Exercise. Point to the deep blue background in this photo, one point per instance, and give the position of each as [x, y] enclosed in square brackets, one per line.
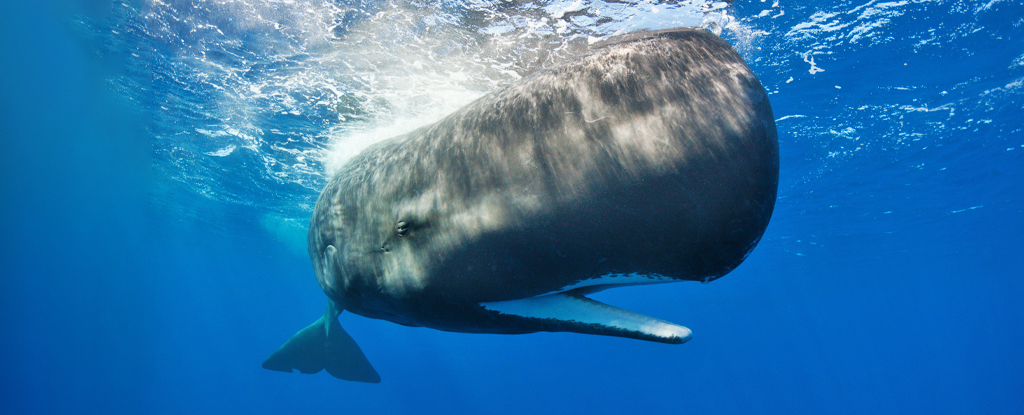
[877, 289]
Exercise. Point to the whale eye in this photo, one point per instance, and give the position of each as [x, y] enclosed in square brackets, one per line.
[402, 228]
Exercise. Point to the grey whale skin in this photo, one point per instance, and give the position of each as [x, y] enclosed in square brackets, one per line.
[651, 158]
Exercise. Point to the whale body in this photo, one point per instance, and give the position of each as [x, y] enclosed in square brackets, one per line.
[652, 158]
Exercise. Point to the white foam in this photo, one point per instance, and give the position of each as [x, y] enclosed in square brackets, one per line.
[411, 110]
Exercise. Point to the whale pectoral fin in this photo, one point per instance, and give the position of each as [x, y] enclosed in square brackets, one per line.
[576, 313]
[324, 345]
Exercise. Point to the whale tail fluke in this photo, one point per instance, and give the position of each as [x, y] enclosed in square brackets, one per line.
[324, 345]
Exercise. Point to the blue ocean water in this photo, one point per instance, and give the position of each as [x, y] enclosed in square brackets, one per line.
[160, 159]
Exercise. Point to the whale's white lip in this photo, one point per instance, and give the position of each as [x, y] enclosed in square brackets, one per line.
[585, 313]
[572, 307]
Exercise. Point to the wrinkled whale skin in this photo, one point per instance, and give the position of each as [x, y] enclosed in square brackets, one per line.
[652, 158]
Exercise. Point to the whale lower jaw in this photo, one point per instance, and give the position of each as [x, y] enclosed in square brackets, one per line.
[575, 313]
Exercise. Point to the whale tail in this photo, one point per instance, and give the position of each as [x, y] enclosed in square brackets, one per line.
[324, 345]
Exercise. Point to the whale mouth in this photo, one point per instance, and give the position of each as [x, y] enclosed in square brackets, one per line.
[570, 310]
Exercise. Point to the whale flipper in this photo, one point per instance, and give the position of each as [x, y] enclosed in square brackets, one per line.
[573, 312]
[324, 345]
